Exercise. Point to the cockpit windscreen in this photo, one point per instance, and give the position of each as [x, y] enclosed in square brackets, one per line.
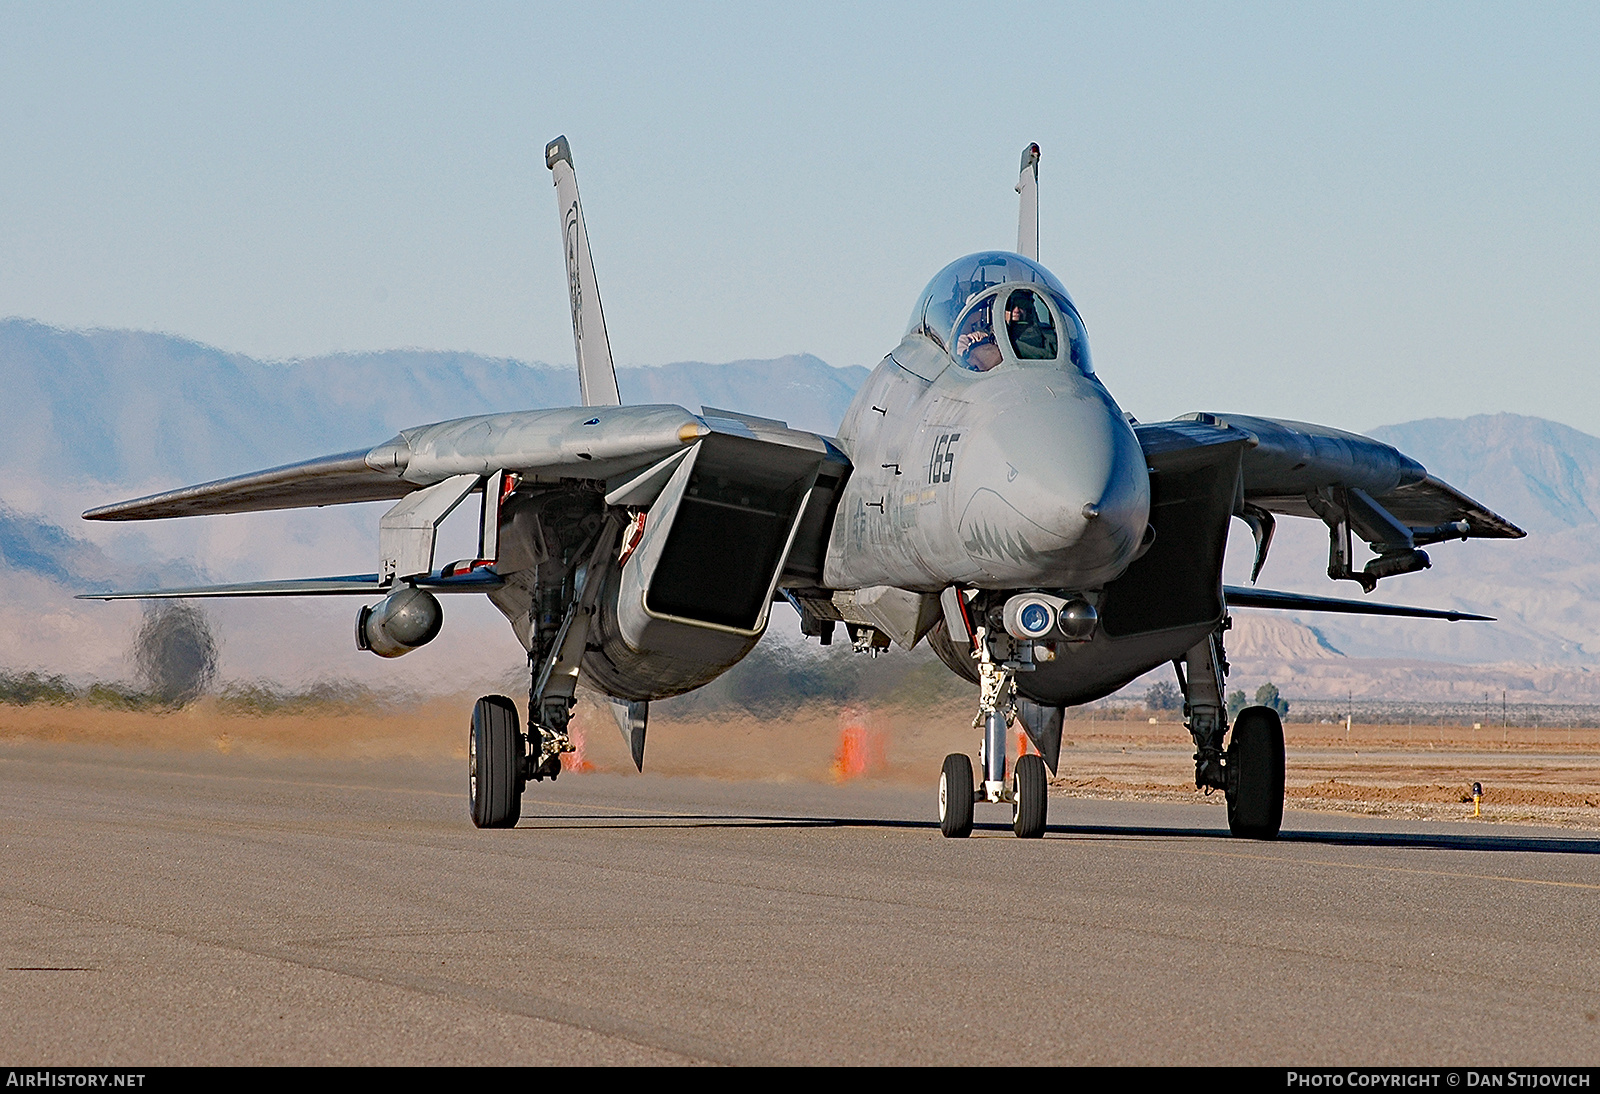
[962, 312]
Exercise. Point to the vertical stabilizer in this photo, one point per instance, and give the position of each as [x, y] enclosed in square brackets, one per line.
[597, 378]
[1028, 214]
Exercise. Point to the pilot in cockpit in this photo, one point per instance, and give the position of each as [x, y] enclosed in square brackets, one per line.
[1033, 337]
[975, 344]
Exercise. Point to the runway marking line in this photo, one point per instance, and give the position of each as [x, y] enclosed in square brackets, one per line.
[1393, 869]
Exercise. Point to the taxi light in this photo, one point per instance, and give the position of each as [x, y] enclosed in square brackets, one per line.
[1036, 617]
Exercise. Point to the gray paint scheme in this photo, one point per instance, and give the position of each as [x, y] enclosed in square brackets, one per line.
[983, 479]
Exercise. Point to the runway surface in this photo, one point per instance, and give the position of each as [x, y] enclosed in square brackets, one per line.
[172, 908]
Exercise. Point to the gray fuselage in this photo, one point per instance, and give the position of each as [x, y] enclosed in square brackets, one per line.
[1016, 478]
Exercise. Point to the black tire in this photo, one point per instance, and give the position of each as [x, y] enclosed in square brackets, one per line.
[494, 764]
[955, 796]
[1030, 795]
[1255, 774]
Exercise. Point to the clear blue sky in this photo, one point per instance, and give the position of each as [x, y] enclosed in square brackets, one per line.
[1348, 213]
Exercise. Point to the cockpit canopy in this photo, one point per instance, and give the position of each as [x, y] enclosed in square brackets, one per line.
[995, 308]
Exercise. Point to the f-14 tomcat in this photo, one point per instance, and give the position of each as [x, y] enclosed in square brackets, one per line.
[984, 494]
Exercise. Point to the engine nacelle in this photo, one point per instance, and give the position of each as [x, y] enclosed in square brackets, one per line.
[399, 623]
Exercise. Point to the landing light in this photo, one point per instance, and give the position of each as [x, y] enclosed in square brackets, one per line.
[1034, 620]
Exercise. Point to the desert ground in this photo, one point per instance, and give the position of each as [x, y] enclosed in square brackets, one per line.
[1544, 775]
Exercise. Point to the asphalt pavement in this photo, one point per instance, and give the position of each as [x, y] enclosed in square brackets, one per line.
[188, 908]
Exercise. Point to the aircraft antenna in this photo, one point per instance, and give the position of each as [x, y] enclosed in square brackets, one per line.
[597, 377]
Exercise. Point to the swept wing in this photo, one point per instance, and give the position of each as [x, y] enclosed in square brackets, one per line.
[627, 452]
[596, 443]
[1357, 486]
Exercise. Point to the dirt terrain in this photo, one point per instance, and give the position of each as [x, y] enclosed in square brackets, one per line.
[1547, 775]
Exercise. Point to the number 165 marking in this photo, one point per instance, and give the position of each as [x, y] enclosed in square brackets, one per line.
[943, 458]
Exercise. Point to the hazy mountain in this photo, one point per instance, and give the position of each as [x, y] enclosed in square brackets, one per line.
[1542, 475]
[130, 407]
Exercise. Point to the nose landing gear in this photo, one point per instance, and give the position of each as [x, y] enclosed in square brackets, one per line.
[1027, 789]
[955, 796]
[1029, 797]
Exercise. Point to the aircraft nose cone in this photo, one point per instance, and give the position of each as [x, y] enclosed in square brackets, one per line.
[1061, 495]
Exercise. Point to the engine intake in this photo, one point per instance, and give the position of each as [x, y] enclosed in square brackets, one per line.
[399, 623]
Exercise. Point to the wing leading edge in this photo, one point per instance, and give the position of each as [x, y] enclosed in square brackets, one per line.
[593, 443]
[477, 581]
[329, 480]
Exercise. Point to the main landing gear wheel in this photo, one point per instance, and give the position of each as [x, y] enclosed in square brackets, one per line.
[955, 796]
[1255, 774]
[1029, 797]
[495, 763]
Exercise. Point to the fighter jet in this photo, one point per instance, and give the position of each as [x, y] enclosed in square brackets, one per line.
[984, 494]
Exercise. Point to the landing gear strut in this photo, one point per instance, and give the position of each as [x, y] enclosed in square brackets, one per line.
[1027, 789]
[560, 606]
[1250, 772]
[556, 656]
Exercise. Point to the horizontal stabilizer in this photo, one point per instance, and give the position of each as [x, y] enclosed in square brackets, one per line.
[476, 581]
[330, 480]
[1239, 597]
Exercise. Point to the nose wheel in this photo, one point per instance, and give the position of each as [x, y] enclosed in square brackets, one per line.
[1027, 789]
[1029, 797]
[955, 796]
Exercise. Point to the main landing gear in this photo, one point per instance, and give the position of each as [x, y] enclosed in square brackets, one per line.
[495, 763]
[499, 763]
[1255, 774]
[502, 758]
[1250, 771]
[1026, 790]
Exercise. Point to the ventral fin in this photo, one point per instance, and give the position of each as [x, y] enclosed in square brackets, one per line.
[632, 719]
